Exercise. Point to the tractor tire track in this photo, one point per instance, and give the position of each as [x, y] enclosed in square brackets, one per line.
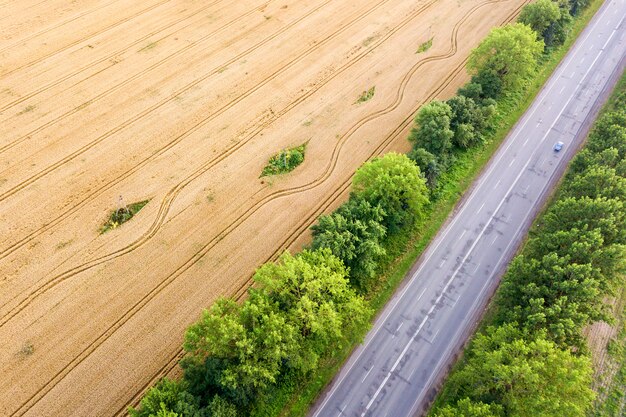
[307, 222]
[13, 247]
[72, 44]
[104, 59]
[135, 77]
[202, 252]
[4, 3]
[18, 187]
[168, 200]
[165, 370]
[30, 402]
[34, 35]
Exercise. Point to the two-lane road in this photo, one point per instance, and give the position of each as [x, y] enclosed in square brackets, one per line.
[394, 372]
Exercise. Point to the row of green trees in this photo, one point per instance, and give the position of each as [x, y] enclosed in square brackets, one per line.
[301, 308]
[388, 196]
[305, 307]
[532, 360]
[499, 66]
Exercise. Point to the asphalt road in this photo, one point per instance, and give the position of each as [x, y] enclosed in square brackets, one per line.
[414, 340]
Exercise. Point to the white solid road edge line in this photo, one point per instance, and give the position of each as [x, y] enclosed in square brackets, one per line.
[412, 410]
[553, 79]
[522, 171]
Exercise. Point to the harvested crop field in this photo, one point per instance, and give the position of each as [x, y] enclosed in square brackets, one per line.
[106, 103]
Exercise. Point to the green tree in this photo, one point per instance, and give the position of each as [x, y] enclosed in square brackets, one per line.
[580, 246]
[540, 15]
[586, 159]
[394, 183]
[557, 32]
[219, 407]
[312, 291]
[606, 215]
[597, 181]
[511, 52]
[468, 408]
[551, 293]
[428, 164]
[433, 131]
[527, 377]
[354, 233]
[168, 398]
[490, 83]
[253, 340]
[609, 131]
[576, 6]
[473, 90]
[620, 168]
[469, 120]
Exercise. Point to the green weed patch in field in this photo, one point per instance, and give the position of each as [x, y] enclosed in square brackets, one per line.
[425, 46]
[285, 161]
[122, 215]
[366, 95]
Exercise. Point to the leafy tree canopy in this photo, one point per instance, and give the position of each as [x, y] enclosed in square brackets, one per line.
[511, 52]
[469, 120]
[551, 293]
[597, 181]
[394, 183]
[606, 215]
[428, 164]
[354, 233]
[577, 5]
[253, 340]
[433, 131]
[468, 408]
[527, 377]
[169, 398]
[312, 291]
[540, 15]
[609, 132]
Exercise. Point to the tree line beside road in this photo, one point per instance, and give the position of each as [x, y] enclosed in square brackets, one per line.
[532, 359]
[305, 307]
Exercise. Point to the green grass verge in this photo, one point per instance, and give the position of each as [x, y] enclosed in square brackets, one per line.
[295, 400]
[285, 161]
[122, 215]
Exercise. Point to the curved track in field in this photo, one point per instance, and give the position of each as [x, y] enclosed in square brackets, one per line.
[214, 71]
[122, 280]
[50, 224]
[170, 197]
[309, 220]
[330, 167]
[119, 87]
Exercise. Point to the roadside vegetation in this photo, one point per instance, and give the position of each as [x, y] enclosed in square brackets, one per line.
[302, 308]
[285, 161]
[122, 215]
[610, 355]
[531, 358]
[273, 354]
[610, 375]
